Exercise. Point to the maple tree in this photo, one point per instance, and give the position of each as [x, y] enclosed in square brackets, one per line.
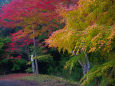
[89, 28]
[31, 15]
[19, 44]
[25, 14]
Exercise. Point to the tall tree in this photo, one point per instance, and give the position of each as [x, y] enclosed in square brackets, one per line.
[31, 15]
[89, 28]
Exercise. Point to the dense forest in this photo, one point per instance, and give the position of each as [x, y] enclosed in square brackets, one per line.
[72, 39]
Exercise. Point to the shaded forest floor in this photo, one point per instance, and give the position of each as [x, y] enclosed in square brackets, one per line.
[32, 80]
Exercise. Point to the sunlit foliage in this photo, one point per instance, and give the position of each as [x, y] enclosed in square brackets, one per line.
[89, 28]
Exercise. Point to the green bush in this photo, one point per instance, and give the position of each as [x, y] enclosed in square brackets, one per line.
[12, 65]
[29, 70]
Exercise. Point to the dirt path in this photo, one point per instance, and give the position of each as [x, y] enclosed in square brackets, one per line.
[14, 80]
[10, 80]
[14, 76]
[18, 83]
[27, 83]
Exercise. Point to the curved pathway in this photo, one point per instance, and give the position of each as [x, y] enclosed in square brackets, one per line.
[12, 80]
[18, 83]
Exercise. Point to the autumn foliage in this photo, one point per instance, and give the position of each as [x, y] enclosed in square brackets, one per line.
[30, 15]
[89, 28]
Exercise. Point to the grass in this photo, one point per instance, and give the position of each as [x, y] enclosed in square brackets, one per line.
[49, 80]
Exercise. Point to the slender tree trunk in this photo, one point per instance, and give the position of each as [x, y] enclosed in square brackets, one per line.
[35, 54]
[85, 65]
[87, 62]
[33, 65]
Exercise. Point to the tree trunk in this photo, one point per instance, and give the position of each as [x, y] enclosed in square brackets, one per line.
[87, 62]
[85, 65]
[33, 65]
[35, 54]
